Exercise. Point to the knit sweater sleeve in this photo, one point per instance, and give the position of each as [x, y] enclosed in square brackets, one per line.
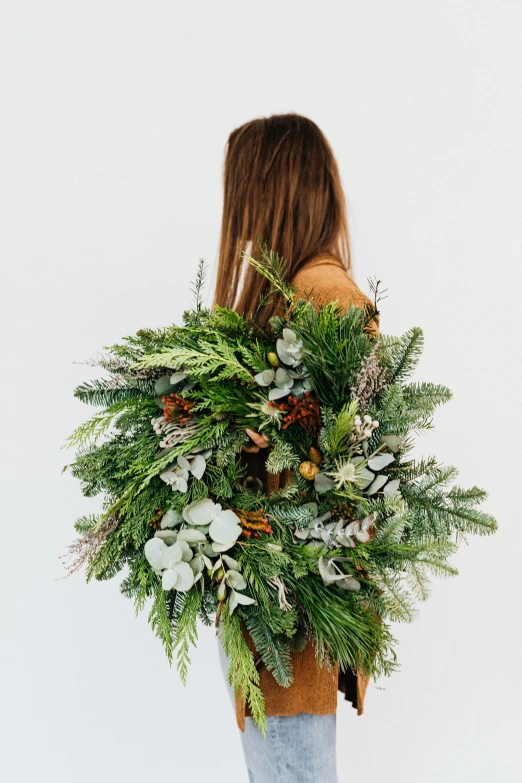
[329, 282]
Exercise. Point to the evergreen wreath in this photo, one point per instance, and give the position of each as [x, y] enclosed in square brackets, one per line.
[343, 549]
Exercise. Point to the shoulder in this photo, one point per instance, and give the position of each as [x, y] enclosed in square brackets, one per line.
[327, 281]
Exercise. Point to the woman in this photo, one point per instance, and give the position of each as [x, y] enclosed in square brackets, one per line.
[281, 182]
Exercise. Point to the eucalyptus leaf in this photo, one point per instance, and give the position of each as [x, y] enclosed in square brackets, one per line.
[322, 483]
[380, 461]
[265, 377]
[169, 579]
[376, 485]
[153, 551]
[282, 378]
[245, 600]
[235, 580]
[391, 488]
[289, 336]
[162, 385]
[168, 536]
[225, 528]
[177, 377]
[191, 536]
[231, 563]
[201, 512]
[276, 393]
[392, 441]
[171, 518]
[197, 466]
[185, 577]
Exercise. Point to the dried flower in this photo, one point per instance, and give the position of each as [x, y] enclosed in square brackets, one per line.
[369, 381]
[84, 549]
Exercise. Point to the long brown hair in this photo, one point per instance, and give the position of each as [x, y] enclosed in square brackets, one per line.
[281, 183]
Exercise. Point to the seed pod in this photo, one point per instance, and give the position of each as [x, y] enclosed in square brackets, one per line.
[315, 455]
[222, 591]
[220, 573]
[308, 470]
[273, 359]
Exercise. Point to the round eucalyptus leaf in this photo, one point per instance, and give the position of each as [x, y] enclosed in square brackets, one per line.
[154, 549]
[235, 580]
[169, 579]
[185, 577]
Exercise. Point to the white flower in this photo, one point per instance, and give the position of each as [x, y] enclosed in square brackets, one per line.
[271, 412]
[350, 472]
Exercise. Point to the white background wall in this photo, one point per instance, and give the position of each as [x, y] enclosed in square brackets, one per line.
[115, 117]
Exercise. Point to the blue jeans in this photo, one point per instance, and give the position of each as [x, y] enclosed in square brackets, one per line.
[297, 749]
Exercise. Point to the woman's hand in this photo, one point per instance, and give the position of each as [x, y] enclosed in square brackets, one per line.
[260, 442]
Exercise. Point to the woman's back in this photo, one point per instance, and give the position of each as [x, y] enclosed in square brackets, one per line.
[314, 689]
[325, 280]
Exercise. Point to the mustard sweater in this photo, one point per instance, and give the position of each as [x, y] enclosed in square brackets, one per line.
[314, 689]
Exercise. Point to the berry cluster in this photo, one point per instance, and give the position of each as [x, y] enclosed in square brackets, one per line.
[342, 510]
[305, 411]
[177, 408]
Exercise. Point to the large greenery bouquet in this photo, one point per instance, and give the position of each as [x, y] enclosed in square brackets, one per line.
[342, 549]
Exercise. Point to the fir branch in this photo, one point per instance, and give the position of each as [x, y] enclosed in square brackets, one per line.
[197, 287]
[274, 652]
[282, 456]
[105, 392]
[337, 435]
[403, 353]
